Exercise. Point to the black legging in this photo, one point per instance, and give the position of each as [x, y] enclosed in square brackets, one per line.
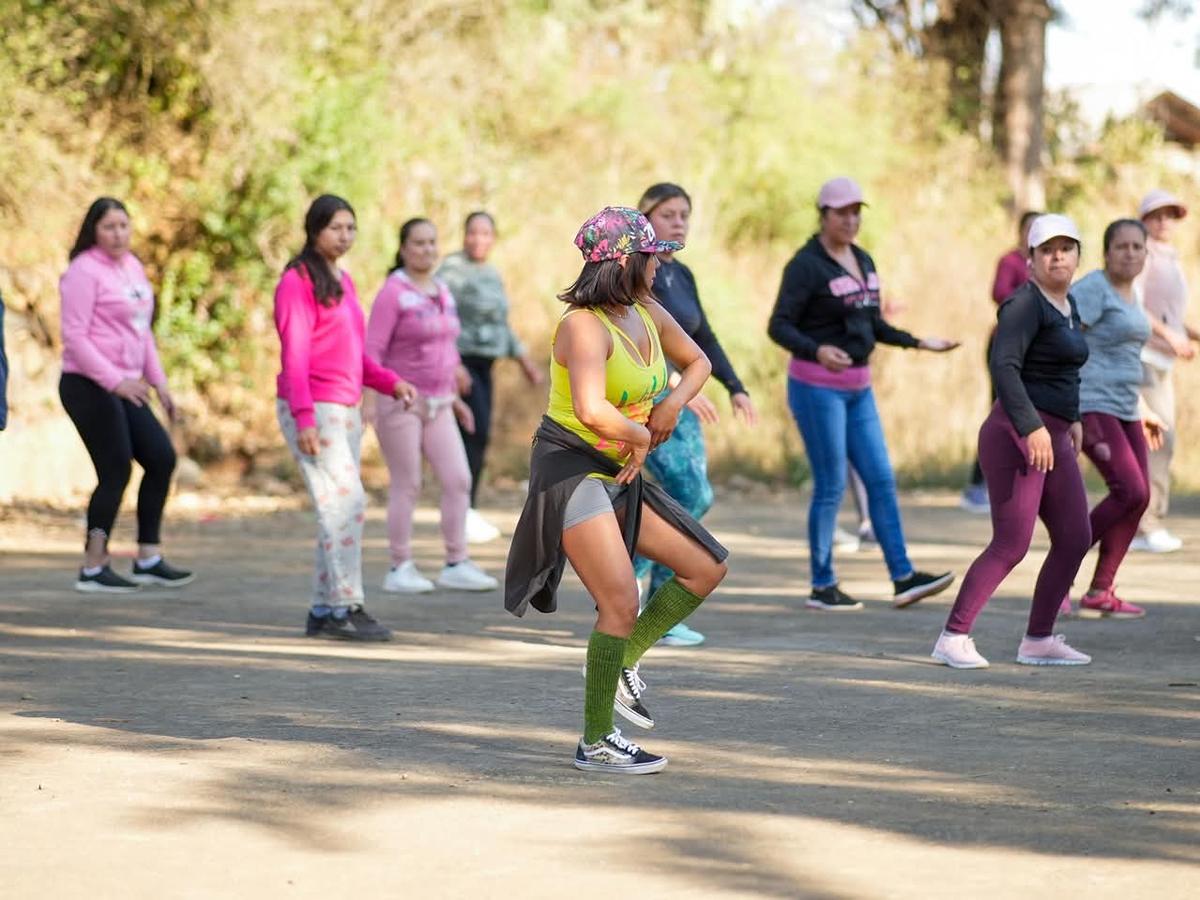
[480, 401]
[116, 432]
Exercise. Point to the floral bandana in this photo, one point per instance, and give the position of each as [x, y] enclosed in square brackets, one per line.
[617, 231]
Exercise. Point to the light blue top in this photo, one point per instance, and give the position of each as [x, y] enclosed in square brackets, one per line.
[1115, 330]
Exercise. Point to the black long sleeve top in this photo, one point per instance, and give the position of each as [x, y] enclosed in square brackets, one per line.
[675, 288]
[820, 302]
[1036, 356]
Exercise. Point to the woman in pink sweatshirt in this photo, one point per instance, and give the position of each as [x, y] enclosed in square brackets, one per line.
[414, 329]
[110, 365]
[320, 385]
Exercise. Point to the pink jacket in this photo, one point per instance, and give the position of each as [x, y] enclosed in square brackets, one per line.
[321, 349]
[107, 307]
[416, 334]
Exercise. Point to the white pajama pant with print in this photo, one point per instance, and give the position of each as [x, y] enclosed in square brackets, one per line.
[335, 485]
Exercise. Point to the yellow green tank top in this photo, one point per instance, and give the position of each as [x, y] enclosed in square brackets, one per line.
[630, 384]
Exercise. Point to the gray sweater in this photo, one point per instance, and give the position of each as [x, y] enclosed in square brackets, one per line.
[482, 308]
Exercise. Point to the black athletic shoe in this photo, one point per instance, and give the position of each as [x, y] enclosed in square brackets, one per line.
[618, 755]
[918, 586]
[831, 598]
[628, 699]
[161, 573]
[106, 581]
[357, 626]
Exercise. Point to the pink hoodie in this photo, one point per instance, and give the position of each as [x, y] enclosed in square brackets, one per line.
[322, 349]
[416, 334]
[107, 306]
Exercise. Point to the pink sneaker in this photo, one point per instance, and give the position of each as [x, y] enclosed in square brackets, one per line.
[1050, 651]
[958, 651]
[1106, 604]
[1064, 608]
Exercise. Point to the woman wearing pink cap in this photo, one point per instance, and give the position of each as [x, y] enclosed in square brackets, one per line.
[1164, 292]
[1028, 447]
[828, 316]
[110, 365]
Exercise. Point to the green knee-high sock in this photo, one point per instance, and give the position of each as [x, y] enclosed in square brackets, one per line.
[604, 656]
[670, 605]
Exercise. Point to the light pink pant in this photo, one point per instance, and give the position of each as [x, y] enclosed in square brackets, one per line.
[405, 436]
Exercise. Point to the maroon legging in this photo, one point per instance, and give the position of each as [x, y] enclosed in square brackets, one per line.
[1117, 449]
[1019, 494]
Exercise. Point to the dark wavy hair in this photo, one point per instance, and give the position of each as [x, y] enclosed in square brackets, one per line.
[1110, 232]
[326, 286]
[609, 282]
[658, 194]
[405, 232]
[86, 239]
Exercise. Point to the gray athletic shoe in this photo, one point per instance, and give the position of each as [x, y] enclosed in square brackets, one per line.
[616, 754]
[628, 699]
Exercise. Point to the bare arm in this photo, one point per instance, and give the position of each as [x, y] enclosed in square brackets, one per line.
[693, 366]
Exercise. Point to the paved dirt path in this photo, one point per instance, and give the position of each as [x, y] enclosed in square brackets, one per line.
[191, 744]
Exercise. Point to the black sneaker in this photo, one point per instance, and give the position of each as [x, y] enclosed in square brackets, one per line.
[106, 581]
[616, 754]
[161, 573]
[358, 625]
[831, 598]
[628, 699]
[918, 586]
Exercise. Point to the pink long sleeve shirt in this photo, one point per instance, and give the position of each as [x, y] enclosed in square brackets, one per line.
[321, 349]
[107, 307]
[416, 334]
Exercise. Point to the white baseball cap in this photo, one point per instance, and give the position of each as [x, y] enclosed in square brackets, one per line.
[1158, 200]
[1052, 225]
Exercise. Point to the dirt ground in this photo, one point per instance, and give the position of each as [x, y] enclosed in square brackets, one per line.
[193, 744]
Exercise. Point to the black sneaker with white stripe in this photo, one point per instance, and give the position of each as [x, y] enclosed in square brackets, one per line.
[627, 701]
[162, 573]
[918, 586]
[831, 598]
[106, 581]
[618, 755]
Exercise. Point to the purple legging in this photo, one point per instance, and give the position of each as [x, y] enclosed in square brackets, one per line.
[1117, 449]
[1019, 494]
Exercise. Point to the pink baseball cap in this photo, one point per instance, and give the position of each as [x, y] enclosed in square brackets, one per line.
[1157, 200]
[839, 192]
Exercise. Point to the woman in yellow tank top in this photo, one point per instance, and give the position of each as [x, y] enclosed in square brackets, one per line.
[587, 500]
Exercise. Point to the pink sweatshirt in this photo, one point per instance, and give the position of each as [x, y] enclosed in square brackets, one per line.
[415, 334]
[321, 349]
[107, 306]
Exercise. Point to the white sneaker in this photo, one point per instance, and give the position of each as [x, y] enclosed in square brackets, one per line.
[958, 651]
[845, 541]
[479, 529]
[406, 579]
[1158, 541]
[466, 576]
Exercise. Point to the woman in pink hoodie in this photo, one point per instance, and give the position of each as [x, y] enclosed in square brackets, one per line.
[414, 329]
[323, 370]
[110, 366]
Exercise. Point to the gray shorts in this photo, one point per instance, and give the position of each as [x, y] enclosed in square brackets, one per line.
[593, 497]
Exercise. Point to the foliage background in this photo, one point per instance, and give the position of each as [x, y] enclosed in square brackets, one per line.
[218, 121]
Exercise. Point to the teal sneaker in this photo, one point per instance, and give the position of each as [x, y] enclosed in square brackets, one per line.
[682, 636]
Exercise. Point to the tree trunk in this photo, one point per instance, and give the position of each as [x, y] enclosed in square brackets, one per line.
[959, 37]
[1018, 111]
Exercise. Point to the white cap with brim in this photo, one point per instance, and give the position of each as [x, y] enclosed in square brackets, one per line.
[1052, 225]
[1159, 199]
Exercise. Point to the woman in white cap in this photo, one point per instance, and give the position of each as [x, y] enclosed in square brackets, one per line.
[1028, 447]
[1164, 292]
[828, 317]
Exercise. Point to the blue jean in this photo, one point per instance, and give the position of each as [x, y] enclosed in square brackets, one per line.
[837, 425]
[680, 466]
